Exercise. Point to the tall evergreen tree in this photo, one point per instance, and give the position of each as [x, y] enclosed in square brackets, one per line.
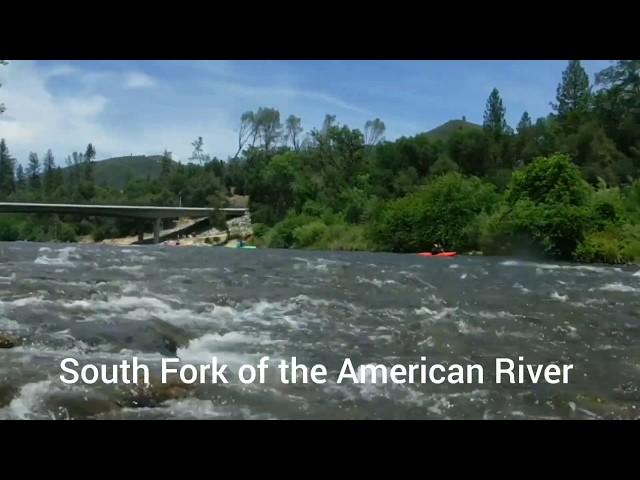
[574, 92]
[494, 115]
[2, 107]
[48, 166]
[21, 180]
[165, 165]
[7, 180]
[33, 171]
[524, 123]
[89, 156]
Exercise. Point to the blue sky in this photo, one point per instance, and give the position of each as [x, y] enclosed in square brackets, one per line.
[144, 107]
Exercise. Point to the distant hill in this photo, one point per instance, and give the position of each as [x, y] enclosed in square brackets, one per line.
[447, 129]
[117, 171]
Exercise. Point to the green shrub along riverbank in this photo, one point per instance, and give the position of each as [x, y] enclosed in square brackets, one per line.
[563, 187]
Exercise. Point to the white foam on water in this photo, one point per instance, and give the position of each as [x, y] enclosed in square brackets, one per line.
[445, 312]
[126, 268]
[637, 274]
[62, 258]
[552, 266]
[7, 324]
[522, 288]
[556, 296]
[29, 398]
[463, 276]
[425, 311]
[596, 301]
[454, 265]
[375, 281]
[619, 287]
[466, 329]
[190, 407]
[229, 348]
[500, 314]
[9, 279]
[26, 301]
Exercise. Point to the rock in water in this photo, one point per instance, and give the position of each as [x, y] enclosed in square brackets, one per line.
[7, 341]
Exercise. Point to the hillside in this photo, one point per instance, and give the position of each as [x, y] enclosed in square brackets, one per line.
[449, 128]
[117, 171]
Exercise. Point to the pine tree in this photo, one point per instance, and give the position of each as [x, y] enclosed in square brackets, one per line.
[574, 92]
[165, 165]
[21, 180]
[7, 180]
[89, 156]
[49, 165]
[33, 171]
[2, 107]
[494, 115]
[524, 123]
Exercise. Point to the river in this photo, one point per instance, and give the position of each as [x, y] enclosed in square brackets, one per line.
[102, 304]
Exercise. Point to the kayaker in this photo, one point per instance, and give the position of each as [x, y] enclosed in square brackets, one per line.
[436, 249]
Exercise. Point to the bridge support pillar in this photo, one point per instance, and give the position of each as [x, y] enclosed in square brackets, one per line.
[140, 233]
[156, 230]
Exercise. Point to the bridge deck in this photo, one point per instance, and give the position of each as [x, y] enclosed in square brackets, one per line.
[117, 210]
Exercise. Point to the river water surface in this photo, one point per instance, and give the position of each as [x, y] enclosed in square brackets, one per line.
[102, 304]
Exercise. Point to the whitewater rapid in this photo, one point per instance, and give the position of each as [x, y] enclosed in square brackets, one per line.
[102, 304]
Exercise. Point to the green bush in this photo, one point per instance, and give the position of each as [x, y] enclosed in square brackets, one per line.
[547, 211]
[309, 234]
[631, 242]
[260, 229]
[9, 230]
[601, 247]
[281, 236]
[66, 233]
[347, 238]
[104, 231]
[443, 211]
[549, 180]
[32, 232]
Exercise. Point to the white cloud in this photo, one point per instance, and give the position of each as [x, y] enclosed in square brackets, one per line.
[139, 80]
[265, 92]
[36, 120]
[98, 105]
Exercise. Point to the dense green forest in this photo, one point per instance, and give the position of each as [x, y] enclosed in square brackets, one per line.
[564, 186]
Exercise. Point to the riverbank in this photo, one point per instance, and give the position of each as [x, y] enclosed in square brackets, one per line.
[239, 227]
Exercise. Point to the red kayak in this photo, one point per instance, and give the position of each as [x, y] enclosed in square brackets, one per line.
[443, 254]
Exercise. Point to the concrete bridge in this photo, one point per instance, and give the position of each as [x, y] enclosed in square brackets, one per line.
[130, 211]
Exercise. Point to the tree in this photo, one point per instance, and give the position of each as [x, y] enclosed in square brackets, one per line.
[246, 131]
[198, 153]
[21, 181]
[33, 172]
[293, 129]
[49, 165]
[328, 122]
[7, 180]
[624, 75]
[524, 123]
[2, 107]
[494, 115]
[373, 131]
[546, 210]
[165, 165]
[574, 92]
[89, 156]
[268, 126]
[442, 211]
